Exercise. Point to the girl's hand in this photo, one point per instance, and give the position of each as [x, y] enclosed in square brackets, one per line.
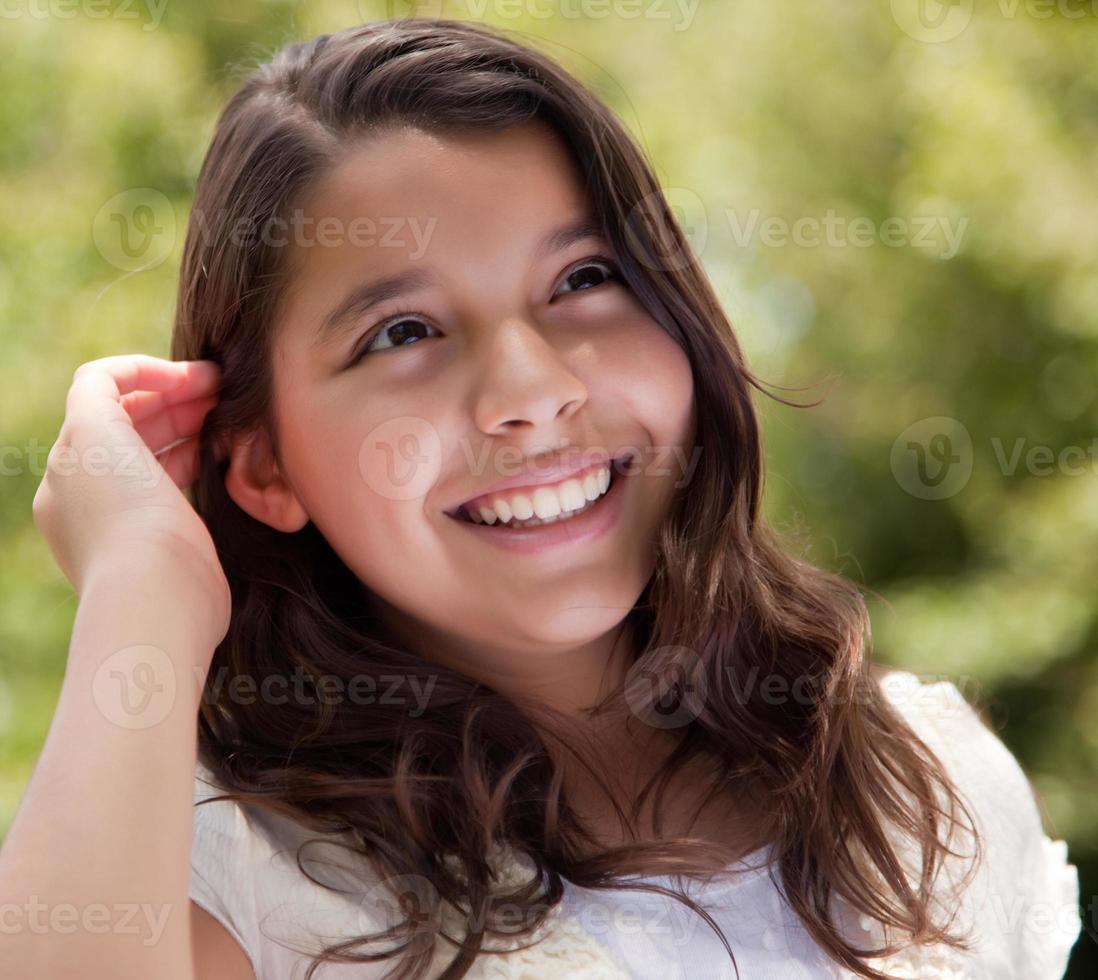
[111, 492]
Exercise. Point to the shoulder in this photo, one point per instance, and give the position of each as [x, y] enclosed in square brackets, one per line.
[245, 873]
[1023, 903]
[983, 769]
[220, 847]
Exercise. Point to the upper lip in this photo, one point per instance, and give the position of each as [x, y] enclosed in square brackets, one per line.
[546, 473]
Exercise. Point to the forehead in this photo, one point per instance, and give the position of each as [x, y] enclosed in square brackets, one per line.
[405, 197]
[470, 184]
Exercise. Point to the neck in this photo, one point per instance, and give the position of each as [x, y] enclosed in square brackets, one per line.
[569, 680]
[624, 752]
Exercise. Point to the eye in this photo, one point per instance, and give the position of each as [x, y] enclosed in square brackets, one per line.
[407, 328]
[590, 273]
[401, 330]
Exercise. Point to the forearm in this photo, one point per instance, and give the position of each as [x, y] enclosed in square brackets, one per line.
[94, 873]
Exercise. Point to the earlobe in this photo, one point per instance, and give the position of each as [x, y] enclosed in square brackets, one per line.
[257, 487]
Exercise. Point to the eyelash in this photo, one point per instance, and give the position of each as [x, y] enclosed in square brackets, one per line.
[363, 347]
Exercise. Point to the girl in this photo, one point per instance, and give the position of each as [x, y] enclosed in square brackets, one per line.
[501, 673]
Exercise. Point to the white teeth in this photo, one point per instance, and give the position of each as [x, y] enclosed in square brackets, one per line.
[572, 496]
[521, 507]
[545, 503]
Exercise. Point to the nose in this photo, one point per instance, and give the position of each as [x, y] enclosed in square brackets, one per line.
[525, 384]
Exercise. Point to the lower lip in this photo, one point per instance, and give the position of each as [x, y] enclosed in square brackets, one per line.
[589, 526]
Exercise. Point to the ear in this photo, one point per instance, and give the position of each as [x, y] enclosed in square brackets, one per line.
[257, 486]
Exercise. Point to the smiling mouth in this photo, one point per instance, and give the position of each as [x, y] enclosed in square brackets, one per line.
[546, 505]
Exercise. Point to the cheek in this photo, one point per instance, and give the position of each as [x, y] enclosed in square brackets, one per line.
[369, 505]
[651, 378]
[363, 476]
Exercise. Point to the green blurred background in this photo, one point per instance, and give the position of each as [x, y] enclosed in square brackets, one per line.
[897, 204]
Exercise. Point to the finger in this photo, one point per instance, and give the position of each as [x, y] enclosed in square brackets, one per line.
[142, 404]
[97, 386]
[143, 372]
[145, 405]
[174, 422]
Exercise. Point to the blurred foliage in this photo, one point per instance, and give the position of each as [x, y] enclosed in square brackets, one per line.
[983, 146]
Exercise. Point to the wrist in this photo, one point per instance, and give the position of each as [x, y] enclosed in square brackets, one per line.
[164, 588]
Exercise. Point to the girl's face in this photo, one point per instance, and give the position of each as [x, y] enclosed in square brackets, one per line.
[505, 340]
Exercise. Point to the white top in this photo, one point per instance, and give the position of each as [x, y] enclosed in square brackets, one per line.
[1023, 904]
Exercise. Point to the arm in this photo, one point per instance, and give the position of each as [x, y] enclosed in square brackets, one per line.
[217, 956]
[94, 873]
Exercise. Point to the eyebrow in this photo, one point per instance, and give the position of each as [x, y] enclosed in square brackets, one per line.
[364, 297]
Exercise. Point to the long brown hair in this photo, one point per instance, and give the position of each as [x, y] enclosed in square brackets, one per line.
[847, 783]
